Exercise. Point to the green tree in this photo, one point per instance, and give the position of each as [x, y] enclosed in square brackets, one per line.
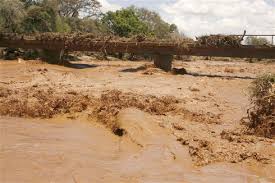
[157, 27]
[28, 3]
[251, 40]
[11, 14]
[124, 23]
[61, 25]
[173, 28]
[86, 25]
[73, 8]
[39, 19]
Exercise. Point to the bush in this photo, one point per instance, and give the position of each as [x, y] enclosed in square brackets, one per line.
[124, 23]
[11, 14]
[262, 114]
[39, 19]
[61, 25]
[256, 41]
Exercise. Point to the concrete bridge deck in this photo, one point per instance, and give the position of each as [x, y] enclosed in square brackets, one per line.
[162, 50]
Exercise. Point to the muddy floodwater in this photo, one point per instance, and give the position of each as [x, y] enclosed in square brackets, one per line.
[187, 143]
[75, 151]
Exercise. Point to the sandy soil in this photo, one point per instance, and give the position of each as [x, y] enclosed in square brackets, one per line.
[176, 128]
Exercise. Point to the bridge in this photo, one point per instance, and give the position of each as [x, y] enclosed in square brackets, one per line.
[163, 51]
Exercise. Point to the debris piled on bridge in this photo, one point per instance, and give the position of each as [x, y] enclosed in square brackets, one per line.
[76, 39]
[87, 40]
[219, 41]
[262, 114]
[11, 36]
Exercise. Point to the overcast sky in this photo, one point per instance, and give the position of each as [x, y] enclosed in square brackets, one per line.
[197, 17]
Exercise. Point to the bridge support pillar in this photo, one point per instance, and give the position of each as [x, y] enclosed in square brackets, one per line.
[53, 56]
[163, 62]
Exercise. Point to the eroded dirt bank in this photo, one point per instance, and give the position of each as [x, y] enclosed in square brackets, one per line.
[175, 127]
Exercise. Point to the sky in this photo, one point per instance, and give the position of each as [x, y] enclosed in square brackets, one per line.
[201, 17]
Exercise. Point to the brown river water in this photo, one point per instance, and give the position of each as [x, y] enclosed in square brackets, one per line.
[78, 151]
[62, 150]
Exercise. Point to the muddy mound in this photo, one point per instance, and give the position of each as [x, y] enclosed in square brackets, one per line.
[262, 114]
[46, 103]
[111, 102]
[31, 102]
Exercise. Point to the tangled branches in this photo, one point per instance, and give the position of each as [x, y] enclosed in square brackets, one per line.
[219, 41]
[262, 114]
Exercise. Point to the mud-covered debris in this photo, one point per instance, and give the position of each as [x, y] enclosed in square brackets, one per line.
[42, 70]
[200, 151]
[179, 71]
[178, 126]
[238, 136]
[46, 103]
[5, 92]
[200, 117]
[229, 70]
[233, 146]
[38, 103]
[194, 88]
[111, 102]
[183, 141]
